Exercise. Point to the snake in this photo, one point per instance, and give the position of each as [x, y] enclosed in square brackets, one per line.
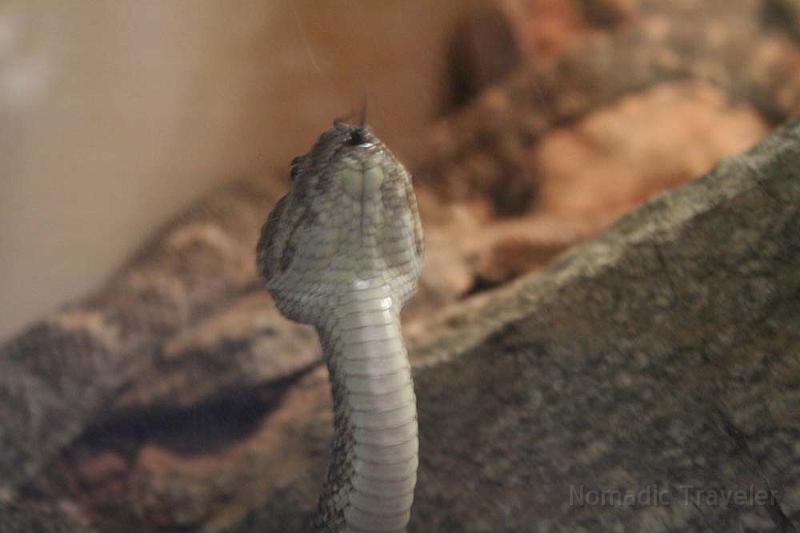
[342, 251]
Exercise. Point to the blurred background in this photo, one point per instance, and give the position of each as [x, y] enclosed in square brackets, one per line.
[117, 114]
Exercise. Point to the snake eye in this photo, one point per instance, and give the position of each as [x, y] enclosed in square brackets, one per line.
[294, 167]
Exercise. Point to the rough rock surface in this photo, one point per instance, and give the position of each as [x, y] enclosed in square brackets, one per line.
[87, 360]
[39, 518]
[596, 169]
[665, 353]
[480, 154]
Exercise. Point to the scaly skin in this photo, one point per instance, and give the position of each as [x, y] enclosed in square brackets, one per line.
[342, 251]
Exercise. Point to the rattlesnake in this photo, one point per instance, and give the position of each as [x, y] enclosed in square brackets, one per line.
[342, 251]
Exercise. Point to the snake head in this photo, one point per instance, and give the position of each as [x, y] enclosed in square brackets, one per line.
[350, 217]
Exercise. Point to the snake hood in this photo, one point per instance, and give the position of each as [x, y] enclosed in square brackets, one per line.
[350, 215]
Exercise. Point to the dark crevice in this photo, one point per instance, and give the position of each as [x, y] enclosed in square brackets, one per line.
[481, 284]
[481, 51]
[781, 15]
[208, 427]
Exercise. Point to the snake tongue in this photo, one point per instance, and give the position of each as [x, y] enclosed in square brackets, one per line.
[362, 185]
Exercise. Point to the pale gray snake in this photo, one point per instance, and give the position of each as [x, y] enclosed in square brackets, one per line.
[342, 251]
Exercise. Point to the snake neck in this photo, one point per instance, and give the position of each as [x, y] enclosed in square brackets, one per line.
[370, 482]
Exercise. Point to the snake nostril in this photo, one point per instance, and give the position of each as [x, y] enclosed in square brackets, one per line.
[356, 137]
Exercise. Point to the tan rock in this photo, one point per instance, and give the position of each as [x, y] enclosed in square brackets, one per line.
[647, 143]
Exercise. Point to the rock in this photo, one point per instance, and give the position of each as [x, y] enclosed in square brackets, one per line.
[481, 153]
[67, 372]
[215, 483]
[509, 249]
[607, 163]
[618, 156]
[646, 358]
[41, 518]
[240, 346]
[587, 174]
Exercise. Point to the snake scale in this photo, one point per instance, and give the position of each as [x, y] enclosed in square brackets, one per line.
[342, 251]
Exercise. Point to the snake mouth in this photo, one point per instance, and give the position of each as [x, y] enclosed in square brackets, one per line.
[362, 184]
